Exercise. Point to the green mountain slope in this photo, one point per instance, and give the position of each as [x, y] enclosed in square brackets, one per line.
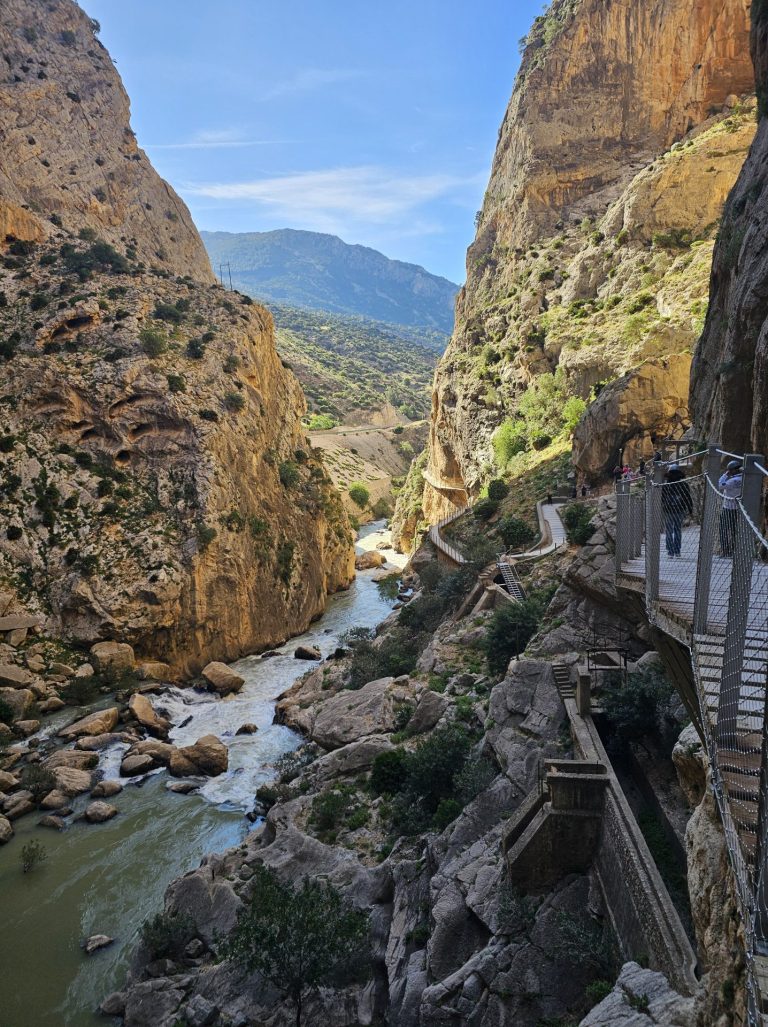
[321, 272]
[352, 368]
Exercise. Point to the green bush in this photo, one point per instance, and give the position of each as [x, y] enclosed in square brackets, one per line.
[176, 383]
[515, 532]
[196, 349]
[576, 518]
[205, 535]
[484, 509]
[165, 935]
[38, 780]
[168, 312]
[152, 342]
[634, 710]
[13, 532]
[498, 490]
[289, 474]
[32, 855]
[388, 772]
[431, 773]
[234, 401]
[511, 628]
[359, 494]
[321, 422]
[508, 440]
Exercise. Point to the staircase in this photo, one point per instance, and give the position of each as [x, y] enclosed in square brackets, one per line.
[511, 581]
[563, 681]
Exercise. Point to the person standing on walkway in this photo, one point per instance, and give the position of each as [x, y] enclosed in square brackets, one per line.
[676, 504]
[730, 485]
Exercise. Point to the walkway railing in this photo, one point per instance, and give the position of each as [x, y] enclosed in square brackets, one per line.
[702, 559]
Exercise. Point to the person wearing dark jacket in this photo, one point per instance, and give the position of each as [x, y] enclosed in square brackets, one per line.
[676, 504]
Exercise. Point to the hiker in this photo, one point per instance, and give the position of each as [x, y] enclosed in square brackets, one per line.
[617, 473]
[641, 467]
[584, 491]
[676, 504]
[549, 498]
[730, 485]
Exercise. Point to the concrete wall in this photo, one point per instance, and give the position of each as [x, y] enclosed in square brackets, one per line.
[642, 914]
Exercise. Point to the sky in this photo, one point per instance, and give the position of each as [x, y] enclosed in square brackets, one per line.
[376, 122]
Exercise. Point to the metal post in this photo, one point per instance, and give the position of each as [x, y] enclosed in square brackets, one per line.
[653, 539]
[761, 852]
[622, 523]
[742, 566]
[706, 542]
[636, 523]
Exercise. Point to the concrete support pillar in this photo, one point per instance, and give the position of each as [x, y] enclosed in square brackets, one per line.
[584, 692]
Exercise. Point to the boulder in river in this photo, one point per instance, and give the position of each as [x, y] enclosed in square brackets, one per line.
[222, 678]
[134, 766]
[7, 781]
[145, 713]
[6, 830]
[19, 699]
[25, 728]
[247, 729]
[154, 670]
[92, 743]
[98, 723]
[99, 812]
[112, 657]
[306, 652]
[72, 758]
[270, 653]
[55, 800]
[72, 781]
[96, 942]
[51, 820]
[106, 789]
[207, 756]
[182, 787]
[369, 560]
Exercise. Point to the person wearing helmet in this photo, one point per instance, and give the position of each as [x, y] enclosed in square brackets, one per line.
[676, 504]
[730, 485]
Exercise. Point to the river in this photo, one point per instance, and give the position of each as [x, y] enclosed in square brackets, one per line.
[106, 879]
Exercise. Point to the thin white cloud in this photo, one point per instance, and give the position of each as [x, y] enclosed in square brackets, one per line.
[328, 199]
[215, 139]
[309, 79]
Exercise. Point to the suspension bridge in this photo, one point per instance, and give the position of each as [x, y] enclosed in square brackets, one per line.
[698, 556]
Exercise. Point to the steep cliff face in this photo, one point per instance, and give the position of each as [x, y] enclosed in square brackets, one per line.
[593, 248]
[157, 485]
[68, 147]
[729, 376]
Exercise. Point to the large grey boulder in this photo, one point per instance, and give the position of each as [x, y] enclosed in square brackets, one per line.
[222, 678]
[113, 658]
[98, 723]
[15, 677]
[142, 709]
[351, 715]
[635, 986]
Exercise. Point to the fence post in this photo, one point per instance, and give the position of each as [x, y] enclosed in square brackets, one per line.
[636, 522]
[622, 523]
[742, 566]
[706, 542]
[653, 539]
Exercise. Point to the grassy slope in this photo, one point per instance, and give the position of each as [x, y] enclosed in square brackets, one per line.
[350, 363]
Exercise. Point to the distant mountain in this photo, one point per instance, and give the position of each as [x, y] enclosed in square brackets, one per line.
[357, 371]
[321, 272]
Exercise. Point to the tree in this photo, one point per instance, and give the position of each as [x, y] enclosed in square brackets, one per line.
[359, 494]
[299, 939]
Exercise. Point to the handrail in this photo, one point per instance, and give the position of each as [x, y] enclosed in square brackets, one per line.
[736, 456]
[760, 468]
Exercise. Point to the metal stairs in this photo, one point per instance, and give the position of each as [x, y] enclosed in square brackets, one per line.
[512, 583]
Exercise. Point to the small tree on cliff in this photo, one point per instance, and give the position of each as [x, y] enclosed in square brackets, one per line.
[299, 939]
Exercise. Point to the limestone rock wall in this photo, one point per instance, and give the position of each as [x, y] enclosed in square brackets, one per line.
[593, 248]
[729, 376]
[68, 148]
[157, 485]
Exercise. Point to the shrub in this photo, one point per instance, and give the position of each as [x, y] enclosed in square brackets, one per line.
[231, 363]
[511, 628]
[196, 349]
[152, 342]
[166, 935]
[633, 710]
[498, 490]
[289, 474]
[32, 855]
[359, 494]
[205, 535]
[508, 440]
[515, 532]
[234, 401]
[208, 415]
[176, 383]
[431, 771]
[13, 532]
[38, 780]
[168, 312]
[330, 808]
[388, 772]
[321, 422]
[38, 300]
[299, 939]
[7, 442]
[597, 991]
[484, 509]
[284, 561]
[576, 518]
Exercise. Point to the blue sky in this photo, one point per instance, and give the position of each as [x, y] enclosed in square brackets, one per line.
[376, 122]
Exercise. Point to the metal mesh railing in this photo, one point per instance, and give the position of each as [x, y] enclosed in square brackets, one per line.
[705, 565]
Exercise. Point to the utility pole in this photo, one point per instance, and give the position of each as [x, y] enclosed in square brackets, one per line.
[228, 266]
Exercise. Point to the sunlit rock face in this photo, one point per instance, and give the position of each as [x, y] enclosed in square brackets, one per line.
[158, 487]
